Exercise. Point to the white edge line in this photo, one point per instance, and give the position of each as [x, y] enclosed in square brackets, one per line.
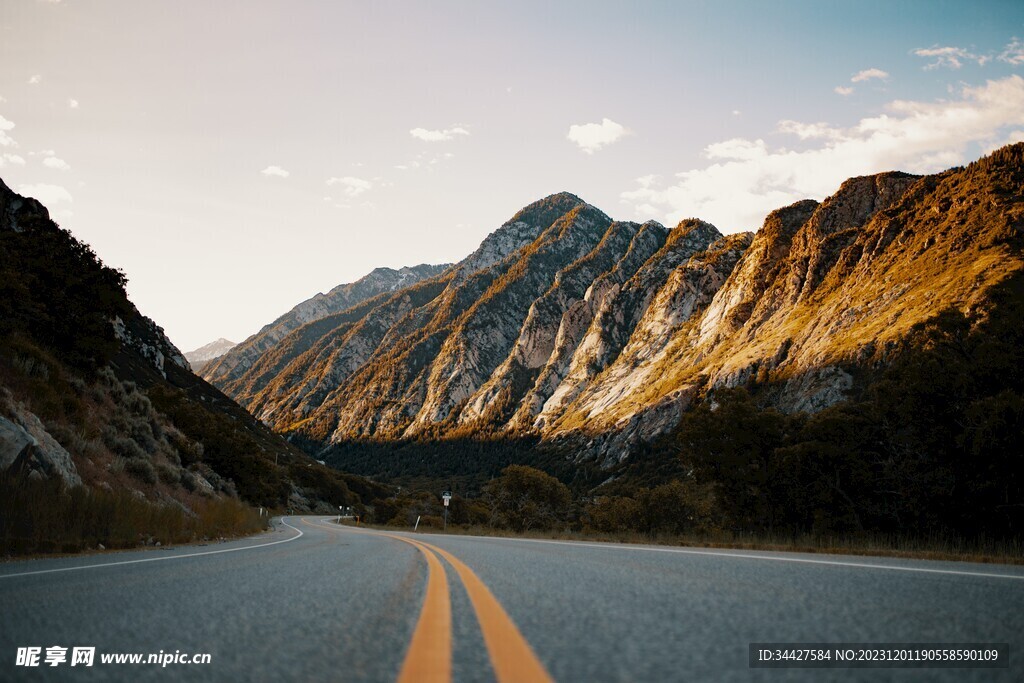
[158, 559]
[771, 558]
[713, 553]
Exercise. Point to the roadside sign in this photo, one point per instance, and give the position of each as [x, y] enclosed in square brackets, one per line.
[446, 497]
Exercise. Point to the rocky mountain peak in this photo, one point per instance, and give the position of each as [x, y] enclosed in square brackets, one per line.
[858, 199]
[693, 234]
[560, 202]
[523, 228]
[782, 224]
[208, 352]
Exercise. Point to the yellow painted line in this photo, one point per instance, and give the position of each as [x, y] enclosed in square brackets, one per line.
[430, 651]
[429, 657]
[512, 658]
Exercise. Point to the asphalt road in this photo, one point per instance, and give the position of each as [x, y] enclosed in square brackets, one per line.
[314, 601]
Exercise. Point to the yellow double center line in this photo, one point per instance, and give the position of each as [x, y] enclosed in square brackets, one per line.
[430, 651]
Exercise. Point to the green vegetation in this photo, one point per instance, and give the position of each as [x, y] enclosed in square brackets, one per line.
[229, 450]
[57, 292]
[424, 464]
[524, 498]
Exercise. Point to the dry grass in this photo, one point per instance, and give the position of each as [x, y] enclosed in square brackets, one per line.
[43, 516]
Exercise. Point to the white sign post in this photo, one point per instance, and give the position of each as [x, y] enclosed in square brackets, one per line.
[446, 497]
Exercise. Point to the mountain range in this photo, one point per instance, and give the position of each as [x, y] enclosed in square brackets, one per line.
[595, 335]
[853, 365]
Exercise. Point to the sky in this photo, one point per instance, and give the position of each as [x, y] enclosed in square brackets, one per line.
[236, 158]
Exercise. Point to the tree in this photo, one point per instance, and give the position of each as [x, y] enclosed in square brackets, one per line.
[731, 443]
[524, 498]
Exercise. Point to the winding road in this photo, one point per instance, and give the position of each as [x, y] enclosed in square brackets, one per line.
[312, 600]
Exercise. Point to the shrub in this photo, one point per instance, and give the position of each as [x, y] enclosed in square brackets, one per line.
[614, 514]
[142, 469]
[168, 474]
[121, 445]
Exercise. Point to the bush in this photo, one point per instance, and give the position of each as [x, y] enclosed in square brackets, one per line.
[141, 469]
[612, 514]
[122, 446]
[168, 474]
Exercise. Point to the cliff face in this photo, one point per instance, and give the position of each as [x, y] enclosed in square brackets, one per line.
[578, 329]
[822, 290]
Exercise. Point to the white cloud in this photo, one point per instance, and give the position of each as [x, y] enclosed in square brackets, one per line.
[949, 57]
[351, 186]
[47, 194]
[747, 179]
[35, 79]
[275, 171]
[647, 211]
[73, 103]
[736, 148]
[591, 137]
[11, 159]
[55, 163]
[648, 180]
[438, 135]
[424, 161]
[868, 74]
[843, 90]
[1013, 53]
[1014, 137]
[809, 131]
[5, 139]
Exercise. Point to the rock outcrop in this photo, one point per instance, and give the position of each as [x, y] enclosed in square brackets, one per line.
[26, 448]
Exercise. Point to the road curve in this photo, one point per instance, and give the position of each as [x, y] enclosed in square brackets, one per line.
[315, 601]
